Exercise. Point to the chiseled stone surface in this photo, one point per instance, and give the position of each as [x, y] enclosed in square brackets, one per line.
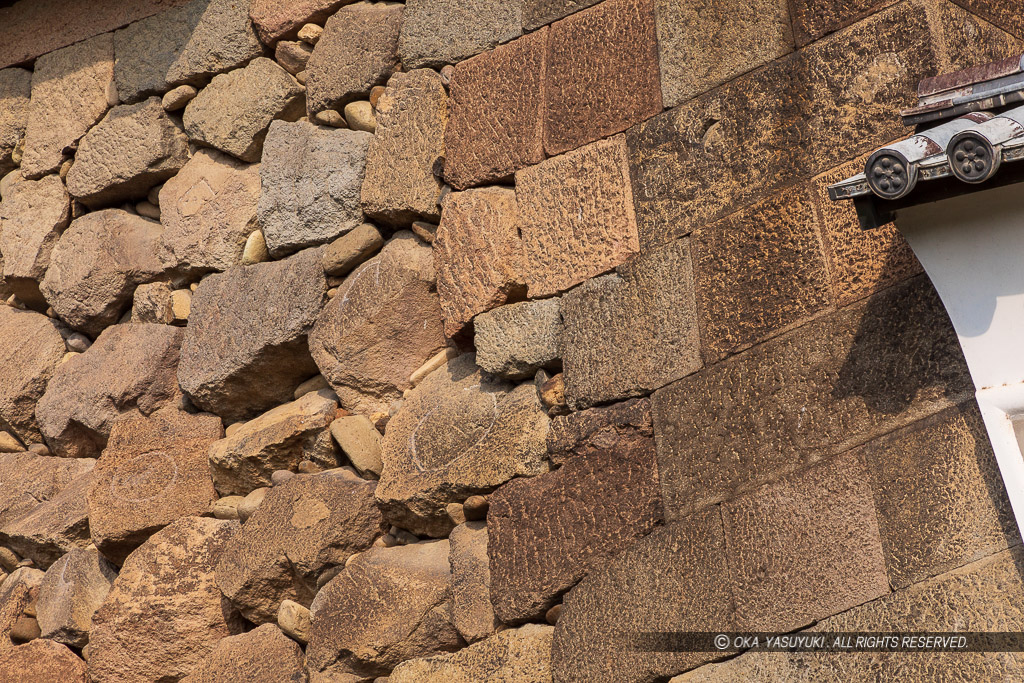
[633, 332]
[457, 434]
[208, 210]
[407, 150]
[439, 32]
[622, 427]
[152, 472]
[478, 254]
[813, 20]
[15, 90]
[382, 325]
[576, 216]
[940, 497]
[311, 177]
[31, 346]
[521, 654]
[1007, 15]
[132, 149]
[518, 339]
[70, 89]
[183, 45]
[670, 580]
[357, 50]
[234, 112]
[73, 588]
[546, 532]
[42, 660]
[130, 367]
[170, 581]
[601, 73]
[245, 348]
[388, 605]
[835, 382]
[263, 655]
[303, 527]
[97, 264]
[497, 100]
[472, 612]
[33, 215]
[537, 13]
[275, 19]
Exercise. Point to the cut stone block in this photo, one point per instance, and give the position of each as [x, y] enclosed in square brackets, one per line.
[439, 32]
[516, 340]
[522, 654]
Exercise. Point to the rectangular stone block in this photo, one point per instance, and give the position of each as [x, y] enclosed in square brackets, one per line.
[626, 425]
[1006, 14]
[439, 32]
[630, 333]
[495, 122]
[758, 272]
[602, 74]
[814, 19]
[820, 389]
[536, 13]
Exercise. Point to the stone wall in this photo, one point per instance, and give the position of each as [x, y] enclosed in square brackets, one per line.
[461, 340]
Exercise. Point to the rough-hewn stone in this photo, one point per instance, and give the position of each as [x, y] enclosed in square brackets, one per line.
[42, 660]
[30, 350]
[407, 150]
[277, 440]
[130, 368]
[73, 588]
[183, 45]
[835, 383]
[153, 471]
[70, 93]
[439, 32]
[234, 112]
[357, 50]
[472, 612]
[97, 264]
[384, 322]
[388, 605]
[576, 216]
[245, 348]
[132, 149]
[208, 210]
[311, 177]
[18, 594]
[517, 340]
[33, 215]
[478, 254]
[302, 528]
[360, 441]
[521, 654]
[263, 655]
[622, 427]
[813, 20]
[168, 581]
[152, 304]
[15, 90]
[601, 74]
[275, 19]
[497, 99]
[458, 433]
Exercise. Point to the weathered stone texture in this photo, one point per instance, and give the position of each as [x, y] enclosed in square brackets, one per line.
[458, 433]
[496, 125]
[834, 383]
[357, 50]
[152, 304]
[536, 13]
[517, 340]
[351, 249]
[245, 348]
[152, 472]
[31, 346]
[303, 527]
[576, 216]
[33, 215]
[168, 581]
[97, 264]
[813, 20]
[1006, 15]
[208, 210]
[478, 254]
[18, 594]
[383, 324]
[388, 605]
[73, 588]
[183, 45]
[522, 654]
[622, 427]
[439, 32]
[630, 333]
[360, 441]
[263, 655]
[407, 150]
[42, 660]
[70, 93]
[15, 91]
[132, 149]
[601, 74]
[234, 112]
[28, 480]
[275, 19]
[472, 612]
[311, 178]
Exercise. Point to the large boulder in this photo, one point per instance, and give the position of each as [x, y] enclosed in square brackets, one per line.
[384, 323]
[33, 215]
[133, 148]
[28, 480]
[311, 177]
[263, 655]
[303, 527]
[388, 605]
[522, 655]
[42, 660]
[152, 472]
[31, 346]
[458, 433]
[245, 348]
[472, 612]
[164, 614]
[73, 588]
[129, 368]
[15, 90]
[96, 266]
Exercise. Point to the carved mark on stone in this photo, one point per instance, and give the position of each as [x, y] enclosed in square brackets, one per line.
[144, 477]
[450, 444]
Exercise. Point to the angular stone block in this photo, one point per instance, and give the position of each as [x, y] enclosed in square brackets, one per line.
[439, 32]
[42, 659]
[73, 588]
[516, 340]
[1007, 15]
[33, 215]
[263, 655]
[275, 19]
[814, 20]
[31, 346]
[472, 612]
[29, 480]
[621, 427]
[15, 91]
[536, 13]
[521, 654]
[19, 592]
[601, 74]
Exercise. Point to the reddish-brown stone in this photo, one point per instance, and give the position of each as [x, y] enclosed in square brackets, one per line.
[536, 13]
[602, 74]
[276, 19]
[42, 660]
[31, 347]
[495, 126]
[624, 426]
[263, 655]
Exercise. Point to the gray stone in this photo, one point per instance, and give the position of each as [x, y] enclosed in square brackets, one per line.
[311, 178]
[439, 32]
[31, 347]
[73, 588]
[15, 90]
[351, 249]
[522, 655]
[516, 340]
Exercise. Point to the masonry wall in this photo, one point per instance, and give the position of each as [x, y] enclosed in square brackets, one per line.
[457, 340]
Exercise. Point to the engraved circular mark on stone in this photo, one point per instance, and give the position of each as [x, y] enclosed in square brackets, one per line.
[889, 175]
[144, 477]
[452, 428]
[972, 158]
[309, 511]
